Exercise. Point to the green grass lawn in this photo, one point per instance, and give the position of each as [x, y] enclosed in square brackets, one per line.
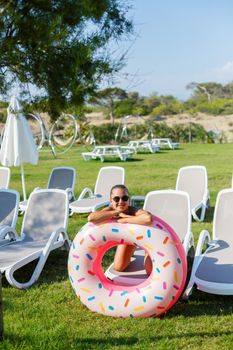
[49, 316]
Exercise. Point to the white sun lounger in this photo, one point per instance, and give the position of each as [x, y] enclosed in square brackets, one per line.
[212, 270]
[62, 178]
[193, 180]
[9, 206]
[5, 175]
[43, 230]
[107, 178]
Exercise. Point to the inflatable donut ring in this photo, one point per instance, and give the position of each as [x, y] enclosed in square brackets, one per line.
[153, 296]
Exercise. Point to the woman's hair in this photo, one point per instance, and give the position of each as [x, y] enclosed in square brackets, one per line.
[121, 187]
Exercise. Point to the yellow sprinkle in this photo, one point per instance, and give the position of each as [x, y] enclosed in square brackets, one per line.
[155, 279]
[139, 308]
[131, 232]
[85, 290]
[92, 248]
[175, 243]
[175, 277]
[102, 307]
[148, 247]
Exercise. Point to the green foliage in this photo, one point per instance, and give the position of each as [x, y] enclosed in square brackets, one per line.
[61, 47]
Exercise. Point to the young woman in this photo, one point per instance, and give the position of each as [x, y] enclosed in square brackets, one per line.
[120, 210]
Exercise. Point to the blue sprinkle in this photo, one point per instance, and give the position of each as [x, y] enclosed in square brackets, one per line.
[115, 230]
[71, 279]
[178, 260]
[100, 285]
[111, 307]
[77, 267]
[144, 298]
[104, 239]
[91, 298]
[158, 298]
[153, 260]
[89, 256]
[157, 269]
[123, 293]
[149, 233]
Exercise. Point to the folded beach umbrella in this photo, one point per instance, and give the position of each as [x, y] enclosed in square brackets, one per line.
[18, 146]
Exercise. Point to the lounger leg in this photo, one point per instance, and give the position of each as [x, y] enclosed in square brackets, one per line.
[188, 291]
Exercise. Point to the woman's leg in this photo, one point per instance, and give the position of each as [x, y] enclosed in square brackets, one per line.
[122, 256]
[148, 264]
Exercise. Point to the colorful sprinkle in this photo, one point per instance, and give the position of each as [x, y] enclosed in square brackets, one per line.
[126, 303]
[91, 272]
[148, 246]
[144, 299]
[82, 240]
[159, 226]
[92, 247]
[165, 240]
[91, 298]
[77, 267]
[159, 253]
[115, 230]
[157, 297]
[157, 269]
[178, 260]
[175, 286]
[81, 279]
[89, 256]
[92, 237]
[149, 233]
[138, 290]
[164, 285]
[102, 307]
[104, 238]
[161, 307]
[75, 256]
[166, 263]
[175, 277]
[85, 290]
[123, 293]
[139, 237]
[111, 307]
[139, 308]
[71, 279]
[131, 232]
[100, 285]
[110, 293]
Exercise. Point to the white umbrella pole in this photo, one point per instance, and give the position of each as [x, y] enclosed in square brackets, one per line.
[23, 183]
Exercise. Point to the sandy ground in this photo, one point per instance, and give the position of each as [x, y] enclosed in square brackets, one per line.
[217, 124]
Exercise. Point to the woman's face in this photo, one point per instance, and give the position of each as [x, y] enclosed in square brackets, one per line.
[119, 199]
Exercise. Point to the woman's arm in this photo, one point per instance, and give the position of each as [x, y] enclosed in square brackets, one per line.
[141, 217]
[104, 214]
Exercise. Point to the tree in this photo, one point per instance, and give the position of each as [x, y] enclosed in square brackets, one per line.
[108, 99]
[60, 46]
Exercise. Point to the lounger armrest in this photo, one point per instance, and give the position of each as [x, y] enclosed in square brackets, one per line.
[85, 191]
[36, 189]
[56, 240]
[203, 238]
[188, 242]
[8, 232]
[70, 193]
[57, 236]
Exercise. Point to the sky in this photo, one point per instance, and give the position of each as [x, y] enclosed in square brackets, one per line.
[178, 42]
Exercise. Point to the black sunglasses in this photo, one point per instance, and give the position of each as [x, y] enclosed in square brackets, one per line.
[117, 198]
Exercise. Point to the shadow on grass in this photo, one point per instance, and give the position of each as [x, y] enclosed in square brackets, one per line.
[99, 343]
